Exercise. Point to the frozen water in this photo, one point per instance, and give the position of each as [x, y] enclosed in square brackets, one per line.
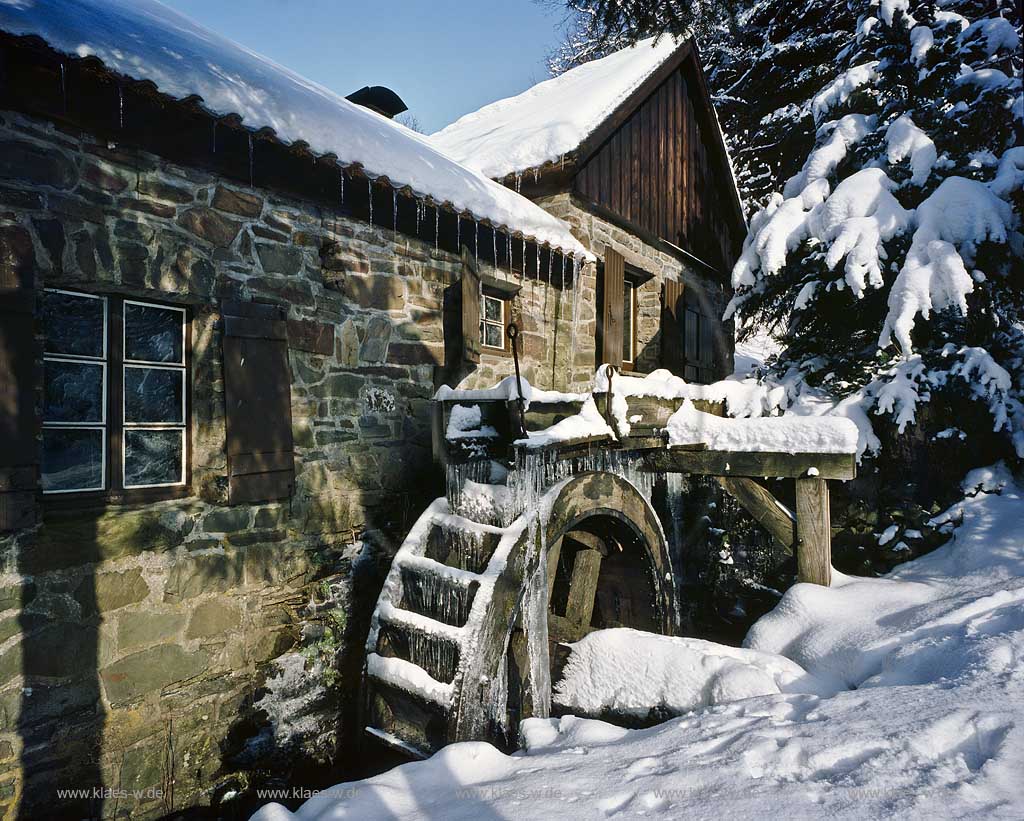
[535, 626]
[435, 596]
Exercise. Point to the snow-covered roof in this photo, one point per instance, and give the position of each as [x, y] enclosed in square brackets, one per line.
[552, 118]
[145, 40]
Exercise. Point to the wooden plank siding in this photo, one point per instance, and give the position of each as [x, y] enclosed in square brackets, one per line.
[659, 171]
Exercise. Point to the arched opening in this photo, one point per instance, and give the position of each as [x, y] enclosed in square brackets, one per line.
[605, 568]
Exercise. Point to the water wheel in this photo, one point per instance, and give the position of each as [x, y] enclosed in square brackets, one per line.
[475, 617]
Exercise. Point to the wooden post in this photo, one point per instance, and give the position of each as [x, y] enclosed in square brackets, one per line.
[813, 531]
[582, 588]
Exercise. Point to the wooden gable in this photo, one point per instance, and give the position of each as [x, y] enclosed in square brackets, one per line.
[658, 164]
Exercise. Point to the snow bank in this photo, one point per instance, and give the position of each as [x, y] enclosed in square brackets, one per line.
[507, 389]
[628, 672]
[466, 421]
[935, 728]
[587, 424]
[934, 621]
[145, 40]
[552, 118]
[776, 434]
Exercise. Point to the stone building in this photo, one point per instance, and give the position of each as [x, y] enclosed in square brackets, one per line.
[223, 314]
[628, 151]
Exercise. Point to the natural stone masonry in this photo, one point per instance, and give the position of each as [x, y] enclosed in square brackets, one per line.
[136, 640]
[597, 234]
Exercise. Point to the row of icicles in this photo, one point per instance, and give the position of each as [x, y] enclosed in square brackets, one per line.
[421, 207]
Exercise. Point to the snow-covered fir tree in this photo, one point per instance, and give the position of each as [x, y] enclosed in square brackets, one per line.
[891, 265]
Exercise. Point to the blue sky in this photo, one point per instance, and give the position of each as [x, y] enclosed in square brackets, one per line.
[444, 58]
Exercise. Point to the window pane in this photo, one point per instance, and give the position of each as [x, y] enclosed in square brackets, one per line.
[153, 395]
[73, 324]
[152, 334]
[73, 392]
[492, 309]
[72, 459]
[492, 335]
[152, 457]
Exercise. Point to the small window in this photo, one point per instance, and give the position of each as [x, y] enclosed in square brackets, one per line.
[120, 433]
[628, 322]
[492, 322]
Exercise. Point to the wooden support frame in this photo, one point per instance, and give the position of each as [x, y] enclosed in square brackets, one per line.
[814, 531]
[841, 466]
[770, 513]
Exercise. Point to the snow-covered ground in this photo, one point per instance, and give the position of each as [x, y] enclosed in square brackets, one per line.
[931, 724]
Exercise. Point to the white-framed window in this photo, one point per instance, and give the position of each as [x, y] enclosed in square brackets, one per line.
[115, 377]
[492, 322]
[628, 322]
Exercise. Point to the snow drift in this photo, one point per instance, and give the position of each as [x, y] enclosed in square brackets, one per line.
[934, 728]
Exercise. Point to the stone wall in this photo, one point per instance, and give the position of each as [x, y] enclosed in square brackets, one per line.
[596, 234]
[179, 648]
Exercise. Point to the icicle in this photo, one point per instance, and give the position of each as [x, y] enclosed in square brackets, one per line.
[509, 238]
[120, 105]
[394, 210]
[551, 260]
[214, 136]
[63, 88]
[538, 261]
[494, 246]
[252, 163]
[369, 190]
[522, 274]
[519, 181]
[437, 227]
[535, 624]
[536, 173]
[419, 215]
[476, 241]
[341, 180]
[458, 232]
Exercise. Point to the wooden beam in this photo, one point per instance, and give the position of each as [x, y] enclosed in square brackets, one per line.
[755, 464]
[563, 630]
[814, 531]
[583, 587]
[770, 513]
[589, 540]
[553, 553]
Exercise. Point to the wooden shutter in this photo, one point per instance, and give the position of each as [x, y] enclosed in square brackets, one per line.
[257, 394]
[470, 309]
[19, 453]
[612, 317]
[673, 310]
